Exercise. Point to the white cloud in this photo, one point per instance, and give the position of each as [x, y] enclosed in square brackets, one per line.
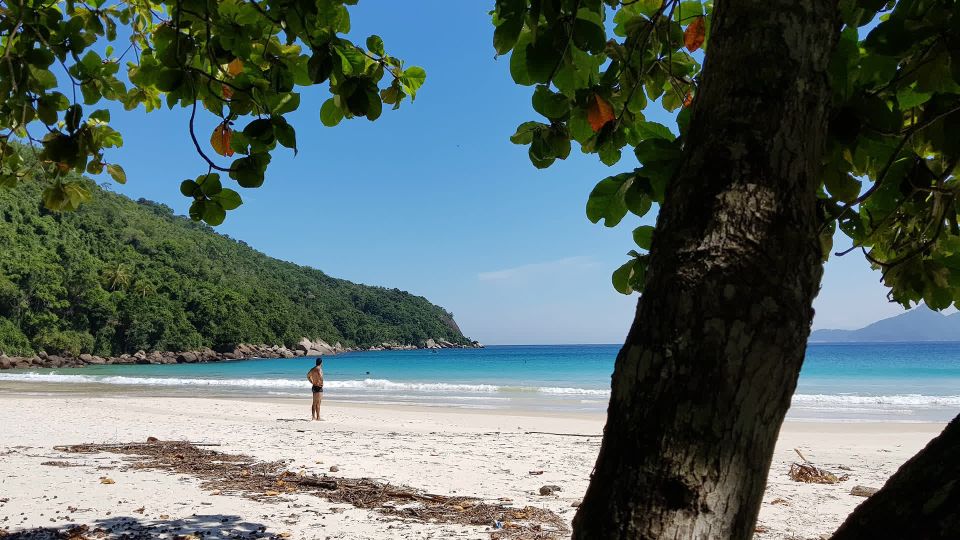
[536, 269]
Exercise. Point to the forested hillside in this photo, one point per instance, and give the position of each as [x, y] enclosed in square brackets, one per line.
[118, 276]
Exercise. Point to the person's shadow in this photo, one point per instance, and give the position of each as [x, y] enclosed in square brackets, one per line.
[136, 528]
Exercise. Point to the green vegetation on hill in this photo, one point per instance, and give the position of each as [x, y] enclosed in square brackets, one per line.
[118, 276]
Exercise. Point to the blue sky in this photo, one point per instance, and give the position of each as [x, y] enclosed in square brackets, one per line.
[434, 199]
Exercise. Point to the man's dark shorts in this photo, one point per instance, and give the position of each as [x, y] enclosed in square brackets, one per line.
[317, 389]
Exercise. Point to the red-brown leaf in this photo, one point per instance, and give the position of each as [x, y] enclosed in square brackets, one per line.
[688, 100]
[235, 67]
[599, 112]
[220, 140]
[694, 35]
[226, 91]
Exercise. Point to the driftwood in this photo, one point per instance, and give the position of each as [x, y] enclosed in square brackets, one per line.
[242, 475]
[811, 474]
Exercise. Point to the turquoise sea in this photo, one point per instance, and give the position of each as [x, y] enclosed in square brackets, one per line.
[908, 382]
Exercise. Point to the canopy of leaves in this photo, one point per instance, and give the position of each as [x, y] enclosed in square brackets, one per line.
[118, 276]
[242, 61]
[889, 177]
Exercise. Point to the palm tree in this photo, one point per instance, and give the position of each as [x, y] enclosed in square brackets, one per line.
[117, 277]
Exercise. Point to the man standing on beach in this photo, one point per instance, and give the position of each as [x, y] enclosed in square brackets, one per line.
[315, 376]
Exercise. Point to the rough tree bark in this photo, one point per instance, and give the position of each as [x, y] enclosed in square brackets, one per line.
[703, 382]
[921, 501]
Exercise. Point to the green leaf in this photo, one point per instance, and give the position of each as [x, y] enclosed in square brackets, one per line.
[541, 58]
[589, 35]
[168, 80]
[249, 171]
[210, 184]
[189, 188]
[506, 34]
[72, 117]
[609, 154]
[375, 45]
[607, 200]
[631, 276]
[412, 79]
[525, 132]
[286, 135]
[518, 60]
[841, 185]
[553, 106]
[117, 173]
[229, 199]
[320, 65]
[638, 198]
[330, 113]
[643, 236]
[655, 149]
[213, 213]
[102, 115]
[621, 278]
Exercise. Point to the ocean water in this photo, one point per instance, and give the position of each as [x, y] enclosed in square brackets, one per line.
[906, 382]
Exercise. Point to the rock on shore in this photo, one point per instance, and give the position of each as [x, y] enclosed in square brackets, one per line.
[306, 347]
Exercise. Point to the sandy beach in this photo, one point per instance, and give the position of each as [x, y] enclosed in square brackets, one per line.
[489, 455]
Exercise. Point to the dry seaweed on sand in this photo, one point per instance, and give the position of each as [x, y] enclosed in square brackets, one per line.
[242, 475]
[808, 473]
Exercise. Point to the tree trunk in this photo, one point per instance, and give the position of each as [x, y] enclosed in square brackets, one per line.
[921, 501]
[703, 382]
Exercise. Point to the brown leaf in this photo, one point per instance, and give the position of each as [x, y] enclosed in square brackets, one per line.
[235, 67]
[226, 91]
[694, 35]
[599, 112]
[220, 140]
[106, 480]
[688, 100]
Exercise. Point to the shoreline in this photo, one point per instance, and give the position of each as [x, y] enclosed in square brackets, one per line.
[243, 351]
[487, 454]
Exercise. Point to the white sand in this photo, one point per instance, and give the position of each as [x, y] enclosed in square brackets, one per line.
[446, 451]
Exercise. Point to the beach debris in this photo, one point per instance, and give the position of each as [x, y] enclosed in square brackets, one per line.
[863, 491]
[334, 468]
[60, 464]
[549, 489]
[782, 501]
[761, 529]
[808, 473]
[241, 475]
[576, 503]
[106, 480]
[153, 439]
[536, 473]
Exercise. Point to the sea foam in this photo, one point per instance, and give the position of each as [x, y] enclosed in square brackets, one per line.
[481, 391]
[364, 384]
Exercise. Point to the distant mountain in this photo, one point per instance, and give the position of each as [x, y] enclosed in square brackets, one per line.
[918, 324]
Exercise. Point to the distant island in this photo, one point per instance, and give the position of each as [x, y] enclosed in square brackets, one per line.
[918, 324]
[119, 277]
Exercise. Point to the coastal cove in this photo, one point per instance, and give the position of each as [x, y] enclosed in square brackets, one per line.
[839, 382]
[305, 347]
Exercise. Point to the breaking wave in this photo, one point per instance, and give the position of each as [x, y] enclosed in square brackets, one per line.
[365, 384]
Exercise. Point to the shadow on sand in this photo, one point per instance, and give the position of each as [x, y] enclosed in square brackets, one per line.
[206, 526]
